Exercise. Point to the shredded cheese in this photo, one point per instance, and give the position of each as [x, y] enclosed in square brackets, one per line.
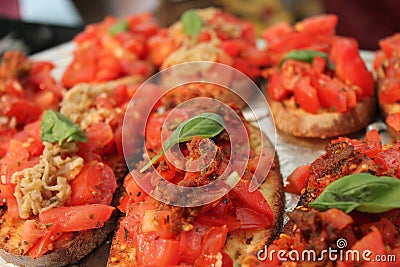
[45, 185]
[79, 105]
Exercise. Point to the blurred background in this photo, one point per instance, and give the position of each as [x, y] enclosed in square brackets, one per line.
[35, 25]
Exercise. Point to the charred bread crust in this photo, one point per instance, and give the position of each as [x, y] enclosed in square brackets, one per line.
[239, 243]
[298, 122]
[66, 251]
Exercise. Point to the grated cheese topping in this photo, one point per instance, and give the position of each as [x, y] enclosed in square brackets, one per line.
[45, 185]
[79, 105]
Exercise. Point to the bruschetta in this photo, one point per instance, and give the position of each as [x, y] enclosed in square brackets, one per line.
[236, 224]
[318, 85]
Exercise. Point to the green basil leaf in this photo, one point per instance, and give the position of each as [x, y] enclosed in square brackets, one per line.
[120, 26]
[191, 23]
[307, 56]
[205, 125]
[362, 192]
[55, 127]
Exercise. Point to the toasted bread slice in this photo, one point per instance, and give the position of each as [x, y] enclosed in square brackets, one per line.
[66, 251]
[239, 243]
[298, 122]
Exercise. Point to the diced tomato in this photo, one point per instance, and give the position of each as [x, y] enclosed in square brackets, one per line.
[255, 56]
[350, 66]
[389, 161]
[31, 233]
[393, 121]
[231, 222]
[95, 184]
[322, 24]
[190, 243]
[158, 222]
[251, 219]
[389, 91]
[40, 75]
[77, 218]
[306, 95]
[160, 48]
[156, 251]
[275, 88]
[212, 244]
[254, 200]
[391, 45]
[318, 64]
[336, 218]
[330, 94]
[374, 243]
[297, 180]
[232, 47]
[52, 232]
[78, 72]
[99, 135]
[23, 110]
[274, 32]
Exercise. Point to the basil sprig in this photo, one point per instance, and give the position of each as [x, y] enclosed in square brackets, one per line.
[118, 27]
[55, 127]
[362, 192]
[307, 56]
[191, 23]
[205, 125]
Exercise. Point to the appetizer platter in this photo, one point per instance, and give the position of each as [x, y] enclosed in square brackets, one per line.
[69, 198]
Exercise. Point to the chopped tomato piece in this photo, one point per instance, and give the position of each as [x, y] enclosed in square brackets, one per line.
[51, 233]
[390, 45]
[350, 66]
[95, 184]
[306, 95]
[336, 218]
[393, 121]
[77, 218]
[297, 180]
[254, 200]
[99, 135]
[322, 24]
[275, 88]
[212, 244]
[157, 251]
[134, 191]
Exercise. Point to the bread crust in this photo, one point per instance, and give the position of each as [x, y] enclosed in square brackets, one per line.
[298, 122]
[239, 243]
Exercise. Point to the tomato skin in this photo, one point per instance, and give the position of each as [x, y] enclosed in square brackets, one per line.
[190, 243]
[99, 135]
[350, 66]
[322, 24]
[77, 218]
[297, 180]
[23, 110]
[51, 234]
[275, 88]
[389, 91]
[95, 184]
[157, 251]
[330, 94]
[32, 232]
[212, 244]
[390, 45]
[306, 95]
[254, 200]
[134, 191]
[393, 121]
